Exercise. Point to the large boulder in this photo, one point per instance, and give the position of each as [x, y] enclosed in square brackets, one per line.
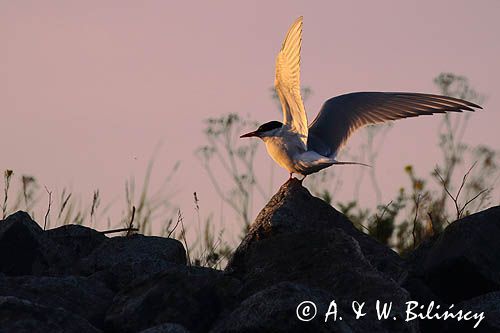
[489, 304]
[193, 297]
[274, 309]
[22, 316]
[294, 209]
[25, 249]
[166, 328]
[74, 279]
[301, 239]
[78, 241]
[464, 260]
[82, 296]
[120, 260]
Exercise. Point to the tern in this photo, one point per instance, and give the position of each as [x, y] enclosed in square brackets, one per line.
[305, 149]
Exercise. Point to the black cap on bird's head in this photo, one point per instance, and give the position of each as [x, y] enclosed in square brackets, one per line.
[269, 126]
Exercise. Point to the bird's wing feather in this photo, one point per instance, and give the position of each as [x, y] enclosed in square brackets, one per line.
[340, 116]
[287, 81]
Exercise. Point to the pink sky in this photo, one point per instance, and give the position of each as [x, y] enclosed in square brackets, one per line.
[89, 88]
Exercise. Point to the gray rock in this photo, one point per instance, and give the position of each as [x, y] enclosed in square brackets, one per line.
[464, 260]
[82, 296]
[120, 260]
[331, 261]
[422, 294]
[78, 241]
[25, 250]
[490, 305]
[275, 310]
[191, 296]
[166, 328]
[294, 209]
[22, 316]
[301, 239]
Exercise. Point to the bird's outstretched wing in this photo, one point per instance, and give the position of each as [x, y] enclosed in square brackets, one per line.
[340, 116]
[287, 81]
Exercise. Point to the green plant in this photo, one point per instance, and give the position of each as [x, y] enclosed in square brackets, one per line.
[236, 159]
[418, 210]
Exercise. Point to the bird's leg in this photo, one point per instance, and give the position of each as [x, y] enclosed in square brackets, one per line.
[290, 176]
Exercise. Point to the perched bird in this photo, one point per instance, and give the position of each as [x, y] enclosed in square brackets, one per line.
[305, 149]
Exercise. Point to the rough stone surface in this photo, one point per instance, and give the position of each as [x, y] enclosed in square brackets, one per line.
[166, 328]
[120, 260]
[464, 260]
[319, 248]
[74, 279]
[329, 260]
[22, 316]
[78, 241]
[24, 249]
[294, 209]
[191, 296]
[82, 296]
[274, 309]
[421, 293]
[490, 305]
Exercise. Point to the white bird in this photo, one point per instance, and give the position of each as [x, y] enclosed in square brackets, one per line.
[304, 149]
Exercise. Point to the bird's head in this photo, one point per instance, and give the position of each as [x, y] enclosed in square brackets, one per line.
[265, 130]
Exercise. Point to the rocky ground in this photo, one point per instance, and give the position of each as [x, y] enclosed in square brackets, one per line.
[75, 279]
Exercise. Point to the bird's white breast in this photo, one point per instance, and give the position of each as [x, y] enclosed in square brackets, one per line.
[284, 149]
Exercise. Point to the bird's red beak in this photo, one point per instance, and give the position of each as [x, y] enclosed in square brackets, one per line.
[249, 135]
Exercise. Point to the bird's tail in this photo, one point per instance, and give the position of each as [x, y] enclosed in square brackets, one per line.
[355, 163]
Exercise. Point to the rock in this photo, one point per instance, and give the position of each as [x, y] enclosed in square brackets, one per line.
[490, 305]
[301, 239]
[25, 250]
[298, 249]
[274, 309]
[135, 248]
[82, 296]
[19, 316]
[193, 297]
[330, 260]
[421, 293]
[120, 260]
[166, 328]
[294, 209]
[78, 241]
[464, 260]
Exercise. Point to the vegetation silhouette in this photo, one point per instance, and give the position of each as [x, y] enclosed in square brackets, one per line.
[419, 209]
